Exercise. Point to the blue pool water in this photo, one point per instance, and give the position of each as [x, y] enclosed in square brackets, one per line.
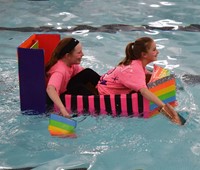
[103, 142]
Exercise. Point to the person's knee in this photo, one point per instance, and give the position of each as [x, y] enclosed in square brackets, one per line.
[92, 73]
[88, 70]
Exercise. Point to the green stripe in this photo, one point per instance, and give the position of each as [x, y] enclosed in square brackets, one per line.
[166, 96]
[61, 125]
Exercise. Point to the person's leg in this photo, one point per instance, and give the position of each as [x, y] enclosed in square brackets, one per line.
[84, 83]
[85, 76]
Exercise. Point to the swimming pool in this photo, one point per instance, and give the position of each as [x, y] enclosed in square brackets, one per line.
[104, 28]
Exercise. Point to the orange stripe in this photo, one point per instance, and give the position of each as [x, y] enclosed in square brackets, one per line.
[61, 135]
[165, 90]
[163, 85]
[58, 133]
[56, 129]
[29, 42]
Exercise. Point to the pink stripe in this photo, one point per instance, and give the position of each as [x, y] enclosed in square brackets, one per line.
[80, 104]
[91, 105]
[68, 103]
[102, 105]
[123, 105]
[112, 103]
[135, 109]
[146, 105]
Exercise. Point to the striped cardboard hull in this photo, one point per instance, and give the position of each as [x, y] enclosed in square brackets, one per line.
[133, 105]
[114, 105]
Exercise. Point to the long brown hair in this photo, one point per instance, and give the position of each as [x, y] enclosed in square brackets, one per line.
[66, 45]
[134, 50]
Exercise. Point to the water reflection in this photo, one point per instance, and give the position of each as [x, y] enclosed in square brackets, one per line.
[165, 23]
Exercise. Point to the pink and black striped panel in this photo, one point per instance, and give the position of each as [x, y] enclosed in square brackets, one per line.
[114, 105]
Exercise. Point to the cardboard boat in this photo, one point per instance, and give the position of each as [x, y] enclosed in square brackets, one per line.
[36, 51]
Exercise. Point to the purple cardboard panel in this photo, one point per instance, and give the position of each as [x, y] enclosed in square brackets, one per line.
[32, 79]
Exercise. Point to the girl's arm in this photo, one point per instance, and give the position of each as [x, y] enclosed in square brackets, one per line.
[51, 91]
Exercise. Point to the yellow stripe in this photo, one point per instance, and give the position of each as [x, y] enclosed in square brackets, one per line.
[53, 128]
[165, 90]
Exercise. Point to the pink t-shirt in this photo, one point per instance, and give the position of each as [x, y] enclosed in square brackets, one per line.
[123, 79]
[60, 74]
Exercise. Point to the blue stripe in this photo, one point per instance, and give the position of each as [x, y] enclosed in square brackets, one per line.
[171, 99]
[63, 119]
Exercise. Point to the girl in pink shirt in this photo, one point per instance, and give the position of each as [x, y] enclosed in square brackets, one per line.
[123, 79]
[130, 75]
[66, 76]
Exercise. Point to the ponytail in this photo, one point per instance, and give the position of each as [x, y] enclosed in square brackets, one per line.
[129, 54]
[134, 50]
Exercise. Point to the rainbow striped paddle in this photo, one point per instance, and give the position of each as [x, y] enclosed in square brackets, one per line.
[60, 126]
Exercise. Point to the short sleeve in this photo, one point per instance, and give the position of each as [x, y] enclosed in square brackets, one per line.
[56, 81]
